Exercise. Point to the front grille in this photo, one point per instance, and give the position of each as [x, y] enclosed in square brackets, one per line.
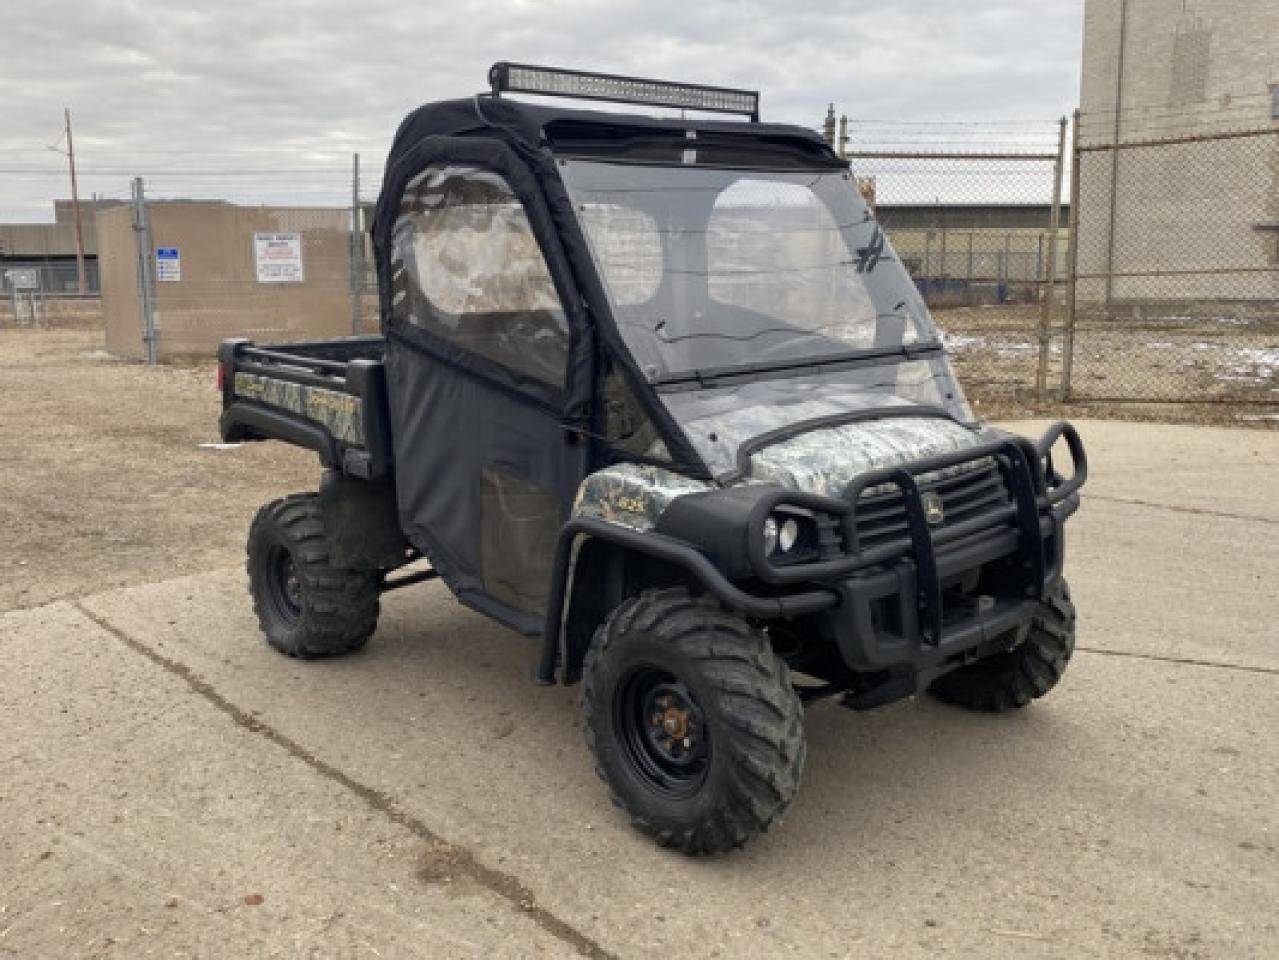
[881, 517]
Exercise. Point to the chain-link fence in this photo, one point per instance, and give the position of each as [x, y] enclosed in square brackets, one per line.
[39, 291]
[54, 277]
[1176, 269]
[180, 273]
[974, 211]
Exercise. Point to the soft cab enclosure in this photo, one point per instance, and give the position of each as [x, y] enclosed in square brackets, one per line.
[541, 326]
[499, 335]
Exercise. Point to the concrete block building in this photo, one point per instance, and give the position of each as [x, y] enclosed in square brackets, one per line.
[1186, 211]
[220, 270]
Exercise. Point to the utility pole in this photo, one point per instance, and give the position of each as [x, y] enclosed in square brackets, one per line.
[357, 250]
[828, 128]
[75, 209]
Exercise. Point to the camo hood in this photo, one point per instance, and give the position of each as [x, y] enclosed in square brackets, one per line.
[826, 461]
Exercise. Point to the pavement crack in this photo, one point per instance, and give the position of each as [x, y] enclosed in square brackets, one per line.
[506, 886]
[1187, 661]
[1175, 508]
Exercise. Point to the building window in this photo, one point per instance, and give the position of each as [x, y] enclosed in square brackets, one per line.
[1191, 56]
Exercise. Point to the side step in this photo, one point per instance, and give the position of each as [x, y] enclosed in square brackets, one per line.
[409, 579]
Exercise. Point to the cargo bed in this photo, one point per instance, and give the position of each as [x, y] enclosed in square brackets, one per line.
[327, 395]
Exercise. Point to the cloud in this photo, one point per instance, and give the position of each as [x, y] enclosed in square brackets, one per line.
[288, 90]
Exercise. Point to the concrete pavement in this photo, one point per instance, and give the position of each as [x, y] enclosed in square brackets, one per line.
[163, 769]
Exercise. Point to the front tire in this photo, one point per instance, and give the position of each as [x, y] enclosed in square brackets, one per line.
[692, 721]
[307, 607]
[1015, 677]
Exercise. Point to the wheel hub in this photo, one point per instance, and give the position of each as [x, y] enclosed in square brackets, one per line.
[664, 731]
[292, 583]
[284, 585]
[674, 724]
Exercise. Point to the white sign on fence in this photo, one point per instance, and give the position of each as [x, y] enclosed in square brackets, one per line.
[168, 264]
[278, 257]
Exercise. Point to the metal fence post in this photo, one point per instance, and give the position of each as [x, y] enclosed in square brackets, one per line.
[146, 271]
[970, 269]
[955, 265]
[942, 273]
[357, 250]
[1050, 279]
[1068, 341]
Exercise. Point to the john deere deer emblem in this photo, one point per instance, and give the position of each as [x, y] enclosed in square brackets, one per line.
[934, 512]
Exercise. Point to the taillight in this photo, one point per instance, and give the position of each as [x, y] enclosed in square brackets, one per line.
[221, 378]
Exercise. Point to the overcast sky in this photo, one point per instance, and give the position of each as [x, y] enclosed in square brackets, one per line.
[265, 100]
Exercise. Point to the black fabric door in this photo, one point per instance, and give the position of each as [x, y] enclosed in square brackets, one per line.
[479, 364]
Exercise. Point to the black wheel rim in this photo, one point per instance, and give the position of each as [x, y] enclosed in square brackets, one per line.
[284, 586]
[663, 731]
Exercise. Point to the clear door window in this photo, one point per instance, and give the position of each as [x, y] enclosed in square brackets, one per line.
[468, 269]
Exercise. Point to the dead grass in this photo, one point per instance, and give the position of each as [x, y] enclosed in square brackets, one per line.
[106, 483]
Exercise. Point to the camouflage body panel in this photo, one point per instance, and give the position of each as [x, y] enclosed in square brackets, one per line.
[822, 461]
[719, 420]
[339, 412]
[826, 461]
[632, 494]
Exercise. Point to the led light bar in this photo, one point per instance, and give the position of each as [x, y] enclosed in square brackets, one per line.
[553, 82]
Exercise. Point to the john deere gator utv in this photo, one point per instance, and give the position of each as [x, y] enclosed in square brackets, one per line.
[657, 392]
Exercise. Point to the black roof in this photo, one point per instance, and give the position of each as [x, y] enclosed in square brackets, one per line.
[534, 124]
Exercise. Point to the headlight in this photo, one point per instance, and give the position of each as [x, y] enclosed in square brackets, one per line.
[790, 535]
[770, 536]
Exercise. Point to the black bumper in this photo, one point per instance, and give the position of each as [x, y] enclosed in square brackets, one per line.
[904, 575]
[894, 614]
[868, 643]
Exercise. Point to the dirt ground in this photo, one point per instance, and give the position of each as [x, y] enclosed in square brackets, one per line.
[1171, 369]
[106, 482]
[170, 787]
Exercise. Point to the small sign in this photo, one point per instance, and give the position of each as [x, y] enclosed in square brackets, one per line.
[278, 257]
[168, 264]
[23, 278]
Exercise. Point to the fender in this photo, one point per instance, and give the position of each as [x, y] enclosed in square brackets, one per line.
[668, 550]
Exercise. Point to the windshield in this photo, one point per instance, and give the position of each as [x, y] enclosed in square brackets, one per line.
[710, 270]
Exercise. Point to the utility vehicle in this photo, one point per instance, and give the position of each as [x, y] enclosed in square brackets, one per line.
[657, 392]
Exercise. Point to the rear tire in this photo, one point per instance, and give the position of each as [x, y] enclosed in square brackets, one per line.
[1026, 672]
[306, 606]
[692, 721]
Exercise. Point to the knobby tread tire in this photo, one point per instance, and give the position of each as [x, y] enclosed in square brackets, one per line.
[1014, 678]
[339, 607]
[753, 714]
